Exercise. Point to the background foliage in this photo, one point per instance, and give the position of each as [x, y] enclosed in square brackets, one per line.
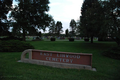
[14, 46]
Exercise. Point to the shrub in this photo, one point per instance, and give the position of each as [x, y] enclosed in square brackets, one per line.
[86, 39]
[37, 39]
[100, 39]
[14, 46]
[52, 39]
[105, 39]
[112, 53]
[71, 39]
[11, 38]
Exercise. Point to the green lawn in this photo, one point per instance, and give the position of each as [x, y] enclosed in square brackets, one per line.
[107, 68]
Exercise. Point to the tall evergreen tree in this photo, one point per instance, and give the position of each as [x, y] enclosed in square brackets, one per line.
[91, 19]
[107, 19]
[58, 28]
[66, 32]
[31, 13]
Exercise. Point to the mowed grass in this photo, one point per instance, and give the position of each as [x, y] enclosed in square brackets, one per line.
[107, 68]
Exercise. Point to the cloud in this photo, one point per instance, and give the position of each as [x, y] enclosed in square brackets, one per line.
[54, 4]
[65, 10]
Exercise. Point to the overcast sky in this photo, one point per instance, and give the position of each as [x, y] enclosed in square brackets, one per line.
[65, 10]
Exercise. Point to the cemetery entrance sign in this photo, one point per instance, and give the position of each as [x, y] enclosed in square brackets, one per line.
[58, 59]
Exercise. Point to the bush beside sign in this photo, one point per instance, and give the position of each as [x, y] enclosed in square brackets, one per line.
[58, 59]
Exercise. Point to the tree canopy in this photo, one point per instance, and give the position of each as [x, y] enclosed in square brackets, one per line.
[52, 27]
[31, 13]
[92, 18]
[58, 28]
[101, 19]
[5, 6]
[113, 11]
[72, 26]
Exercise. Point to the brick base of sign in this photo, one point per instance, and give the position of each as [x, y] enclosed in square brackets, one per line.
[58, 59]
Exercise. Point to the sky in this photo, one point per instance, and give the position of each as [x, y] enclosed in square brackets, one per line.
[64, 11]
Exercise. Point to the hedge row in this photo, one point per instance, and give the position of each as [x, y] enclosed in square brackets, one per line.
[14, 46]
[113, 53]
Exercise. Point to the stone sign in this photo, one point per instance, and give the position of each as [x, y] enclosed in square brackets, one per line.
[58, 59]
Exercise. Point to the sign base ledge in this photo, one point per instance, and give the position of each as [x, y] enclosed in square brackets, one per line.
[58, 64]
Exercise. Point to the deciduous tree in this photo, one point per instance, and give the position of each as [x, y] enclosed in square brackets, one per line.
[31, 13]
[52, 27]
[5, 6]
[72, 26]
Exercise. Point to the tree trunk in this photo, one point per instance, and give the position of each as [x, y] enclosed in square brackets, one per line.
[91, 39]
[24, 34]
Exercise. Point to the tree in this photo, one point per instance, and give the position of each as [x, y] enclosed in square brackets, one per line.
[78, 27]
[91, 19]
[5, 6]
[33, 31]
[66, 32]
[113, 12]
[58, 28]
[72, 26]
[31, 13]
[52, 27]
[108, 14]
